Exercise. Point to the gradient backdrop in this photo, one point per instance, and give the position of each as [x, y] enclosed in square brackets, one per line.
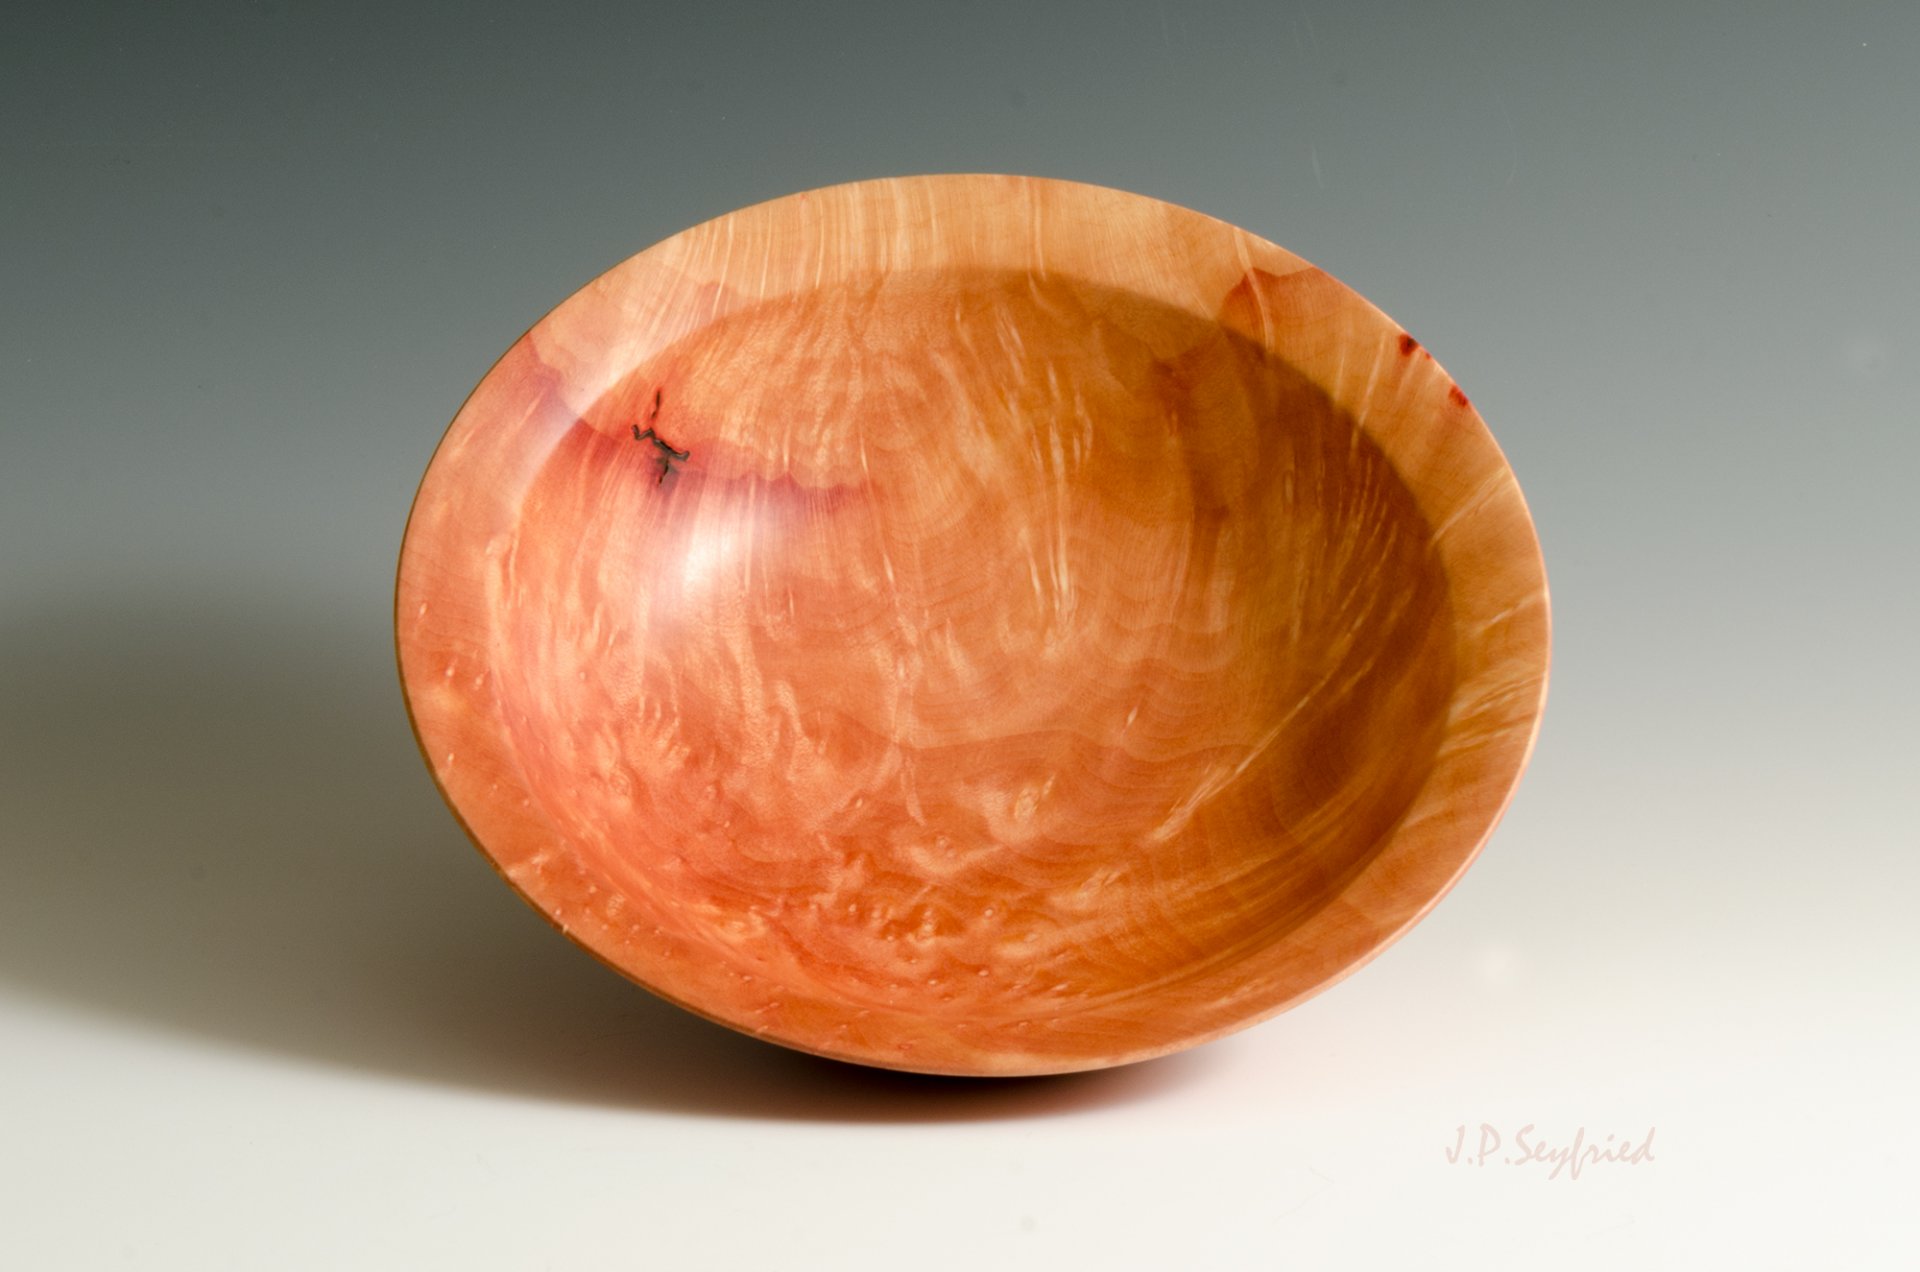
[261, 1005]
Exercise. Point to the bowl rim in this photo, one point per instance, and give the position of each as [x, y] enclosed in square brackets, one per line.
[1459, 478]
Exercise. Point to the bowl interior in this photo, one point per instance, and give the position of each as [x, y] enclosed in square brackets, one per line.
[1020, 637]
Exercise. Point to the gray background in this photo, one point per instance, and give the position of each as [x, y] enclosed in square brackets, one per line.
[261, 1006]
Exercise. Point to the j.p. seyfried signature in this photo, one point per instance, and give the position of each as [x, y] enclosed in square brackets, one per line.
[1530, 1148]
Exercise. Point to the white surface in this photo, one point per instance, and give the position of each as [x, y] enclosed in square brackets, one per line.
[1317, 1140]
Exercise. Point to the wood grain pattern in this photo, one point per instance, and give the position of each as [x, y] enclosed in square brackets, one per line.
[973, 624]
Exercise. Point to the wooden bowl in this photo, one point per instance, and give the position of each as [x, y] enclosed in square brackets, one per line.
[973, 624]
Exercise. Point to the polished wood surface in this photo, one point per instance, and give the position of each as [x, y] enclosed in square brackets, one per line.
[973, 624]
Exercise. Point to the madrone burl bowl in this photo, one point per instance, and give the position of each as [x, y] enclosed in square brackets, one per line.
[973, 624]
